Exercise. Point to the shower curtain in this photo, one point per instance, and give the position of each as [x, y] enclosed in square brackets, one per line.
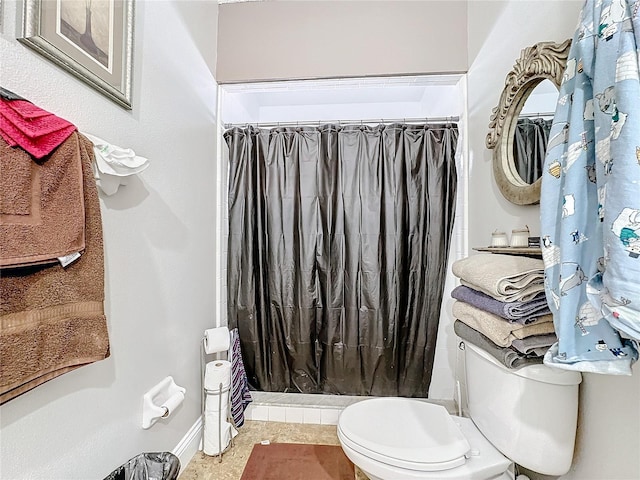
[338, 244]
[590, 200]
[530, 146]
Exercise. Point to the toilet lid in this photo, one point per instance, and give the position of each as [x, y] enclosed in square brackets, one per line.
[404, 432]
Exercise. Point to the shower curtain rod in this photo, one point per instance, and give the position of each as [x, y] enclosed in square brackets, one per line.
[533, 115]
[344, 122]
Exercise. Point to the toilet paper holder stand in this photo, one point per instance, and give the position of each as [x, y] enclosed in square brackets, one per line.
[219, 391]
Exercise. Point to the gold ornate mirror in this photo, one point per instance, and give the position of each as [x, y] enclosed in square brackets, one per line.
[543, 61]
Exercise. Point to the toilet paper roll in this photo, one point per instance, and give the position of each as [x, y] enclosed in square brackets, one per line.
[216, 373]
[216, 340]
[214, 442]
[217, 403]
[171, 403]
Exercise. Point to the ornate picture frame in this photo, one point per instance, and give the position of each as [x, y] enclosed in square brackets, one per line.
[91, 39]
[544, 60]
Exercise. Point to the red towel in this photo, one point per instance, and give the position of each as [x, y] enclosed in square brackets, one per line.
[26, 109]
[32, 128]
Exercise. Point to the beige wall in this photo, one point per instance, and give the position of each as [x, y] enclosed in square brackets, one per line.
[608, 443]
[293, 39]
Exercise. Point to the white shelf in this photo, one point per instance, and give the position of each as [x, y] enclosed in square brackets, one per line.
[525, 251]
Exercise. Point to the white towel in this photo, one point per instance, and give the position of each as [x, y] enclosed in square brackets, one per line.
[114, 164]
[507, 278]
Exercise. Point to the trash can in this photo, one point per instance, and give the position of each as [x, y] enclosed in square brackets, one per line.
[148, 466]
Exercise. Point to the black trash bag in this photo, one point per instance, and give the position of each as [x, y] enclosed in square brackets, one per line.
[148, 466]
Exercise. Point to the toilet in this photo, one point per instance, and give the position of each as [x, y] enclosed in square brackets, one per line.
[526, 417]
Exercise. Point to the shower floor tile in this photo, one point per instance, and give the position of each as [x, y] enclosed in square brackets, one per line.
[204, 467]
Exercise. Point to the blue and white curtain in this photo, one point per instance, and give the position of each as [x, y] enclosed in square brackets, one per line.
[590, 200]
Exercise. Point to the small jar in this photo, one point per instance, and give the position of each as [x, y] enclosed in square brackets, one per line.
[520, 238]
[499, 239]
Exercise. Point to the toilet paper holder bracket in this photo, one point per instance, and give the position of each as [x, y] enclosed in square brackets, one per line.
[160, 401]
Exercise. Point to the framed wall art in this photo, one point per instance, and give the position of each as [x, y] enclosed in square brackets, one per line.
[91, 39]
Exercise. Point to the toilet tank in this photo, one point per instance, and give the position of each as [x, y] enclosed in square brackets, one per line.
[529, 414]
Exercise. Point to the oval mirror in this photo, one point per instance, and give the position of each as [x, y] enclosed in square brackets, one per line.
[531, 91]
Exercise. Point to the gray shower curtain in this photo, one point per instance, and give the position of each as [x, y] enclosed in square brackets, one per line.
[530, 147]
[338, 243]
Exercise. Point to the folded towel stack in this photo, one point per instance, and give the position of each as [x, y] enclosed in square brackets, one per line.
[501, 307]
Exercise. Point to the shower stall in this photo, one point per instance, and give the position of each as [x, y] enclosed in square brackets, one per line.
[375, 105]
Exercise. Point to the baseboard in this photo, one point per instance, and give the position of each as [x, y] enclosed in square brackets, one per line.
[189, 444]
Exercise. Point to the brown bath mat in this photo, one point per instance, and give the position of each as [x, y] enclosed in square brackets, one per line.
[294, 461]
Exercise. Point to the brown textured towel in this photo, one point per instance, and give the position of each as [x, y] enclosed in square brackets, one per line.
[41, 205]
[16, 182]
[52, 319]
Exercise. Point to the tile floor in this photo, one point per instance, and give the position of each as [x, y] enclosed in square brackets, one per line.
[204, 467]
[279, 417]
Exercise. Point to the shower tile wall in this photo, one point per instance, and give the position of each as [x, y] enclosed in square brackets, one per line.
[298, 408]
[310, 415]
[305, 408]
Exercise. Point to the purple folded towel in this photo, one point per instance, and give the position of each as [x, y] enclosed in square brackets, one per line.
[516, 312]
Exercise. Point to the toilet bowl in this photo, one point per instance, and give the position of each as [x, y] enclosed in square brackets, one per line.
[408, 439]
[524, 417]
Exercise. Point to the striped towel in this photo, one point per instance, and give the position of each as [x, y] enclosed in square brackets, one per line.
[240, 395]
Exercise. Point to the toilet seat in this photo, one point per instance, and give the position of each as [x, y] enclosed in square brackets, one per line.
[413, 434]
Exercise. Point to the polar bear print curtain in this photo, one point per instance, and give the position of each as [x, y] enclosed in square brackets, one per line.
[590, 199]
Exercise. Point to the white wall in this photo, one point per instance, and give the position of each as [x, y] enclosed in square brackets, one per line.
[608, 443]
[498, 32]
[159, 243]
[319, 39]
[354, 99]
